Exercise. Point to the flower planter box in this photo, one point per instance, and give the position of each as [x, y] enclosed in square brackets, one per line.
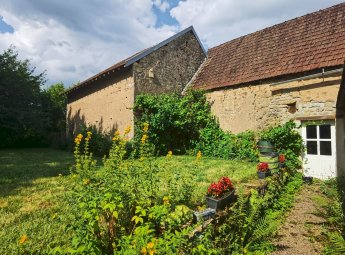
[307, 179]
[263, 175]
[221, 203]
[281, 165]
[204, 215]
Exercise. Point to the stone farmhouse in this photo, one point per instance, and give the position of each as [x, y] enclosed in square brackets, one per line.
[293, 70]
[106, 99]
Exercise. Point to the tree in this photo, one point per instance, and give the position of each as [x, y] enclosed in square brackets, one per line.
[22, 119]
[56, 107]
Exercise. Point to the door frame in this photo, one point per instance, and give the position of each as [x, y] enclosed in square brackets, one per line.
[319, 157]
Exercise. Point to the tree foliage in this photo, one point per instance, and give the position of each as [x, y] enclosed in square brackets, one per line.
[27, 113]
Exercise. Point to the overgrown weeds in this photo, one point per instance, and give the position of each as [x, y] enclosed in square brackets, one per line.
[124, 207]
[331, 208]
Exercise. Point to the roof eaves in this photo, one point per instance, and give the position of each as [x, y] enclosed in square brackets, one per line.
[96, 77]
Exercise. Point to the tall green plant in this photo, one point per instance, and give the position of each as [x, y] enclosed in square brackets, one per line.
[288, 141]
[175, 121]
[121, 209]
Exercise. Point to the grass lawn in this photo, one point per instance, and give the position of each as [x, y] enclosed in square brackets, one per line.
[33, 201]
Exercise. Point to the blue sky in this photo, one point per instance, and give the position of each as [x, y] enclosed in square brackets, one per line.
[4, 27]
[73, 40]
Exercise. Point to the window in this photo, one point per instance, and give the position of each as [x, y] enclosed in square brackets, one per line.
[292, 107]
[318, 139]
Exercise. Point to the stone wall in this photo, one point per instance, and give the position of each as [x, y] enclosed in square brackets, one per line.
[106, 104]
[256, 107]
[241, 108]
[169, 68]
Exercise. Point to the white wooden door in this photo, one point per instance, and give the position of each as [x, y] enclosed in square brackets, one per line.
[320, 155]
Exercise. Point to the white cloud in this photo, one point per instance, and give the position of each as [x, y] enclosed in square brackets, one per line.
[219, 21]
[162, 5]
[73, 40]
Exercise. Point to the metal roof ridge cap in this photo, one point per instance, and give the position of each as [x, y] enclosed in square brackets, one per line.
[199, 41]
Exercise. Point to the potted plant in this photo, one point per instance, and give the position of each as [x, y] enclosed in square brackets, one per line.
[263, 170]
[281, 159]
[220, 194]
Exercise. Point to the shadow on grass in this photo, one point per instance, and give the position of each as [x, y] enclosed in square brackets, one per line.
[21, 167]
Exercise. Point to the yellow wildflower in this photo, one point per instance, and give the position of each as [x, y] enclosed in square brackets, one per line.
[89, 133]
[87, 139]
[87, 181]
[116, 136]
[146, 127]
[151, 252]
[143, 251]
[169, 155]
[150, 245]
[166, 200]
[80, 136]
[144, 138]
[127, 130]
[23, 239]
[199, 155]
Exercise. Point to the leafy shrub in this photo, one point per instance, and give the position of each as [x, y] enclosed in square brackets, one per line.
[214, 142]
[181, 124]
[245, 144]
[101, 142]
[175, 121]
[287, 141]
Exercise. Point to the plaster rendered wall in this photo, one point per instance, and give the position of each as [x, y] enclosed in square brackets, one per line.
[260, 106]
[106, 105]
[169, 68]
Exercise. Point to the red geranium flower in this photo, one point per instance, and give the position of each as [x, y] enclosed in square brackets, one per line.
[223, 186]
[262, 167]
[281, 158]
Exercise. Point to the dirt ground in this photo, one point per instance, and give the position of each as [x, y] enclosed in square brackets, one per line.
[302, 231]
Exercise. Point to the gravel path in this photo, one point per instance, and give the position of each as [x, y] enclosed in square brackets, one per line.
[302, 229]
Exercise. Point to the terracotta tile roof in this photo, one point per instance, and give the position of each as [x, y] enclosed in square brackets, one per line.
[302, 44]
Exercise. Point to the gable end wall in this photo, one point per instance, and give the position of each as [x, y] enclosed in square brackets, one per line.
[170, 68]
